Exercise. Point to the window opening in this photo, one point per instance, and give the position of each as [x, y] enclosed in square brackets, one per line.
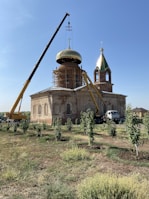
[68, 109]
[45, 109]
[39, 109]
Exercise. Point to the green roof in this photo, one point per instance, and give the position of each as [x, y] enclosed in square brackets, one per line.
[102, 64]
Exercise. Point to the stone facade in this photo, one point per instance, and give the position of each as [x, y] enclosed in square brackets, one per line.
[68, 103]
[73, 96]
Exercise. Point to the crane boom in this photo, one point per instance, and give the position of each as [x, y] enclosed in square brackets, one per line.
[91, 86]
[19, 116]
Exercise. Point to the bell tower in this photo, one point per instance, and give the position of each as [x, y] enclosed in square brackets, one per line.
[102, 74]
[69, 73]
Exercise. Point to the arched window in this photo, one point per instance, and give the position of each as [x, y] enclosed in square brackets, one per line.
[96, 75]
[39, 109]
[68, 111]
[45, 109]
[107, 76]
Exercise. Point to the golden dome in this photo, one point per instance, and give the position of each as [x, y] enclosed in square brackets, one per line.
[68, 55]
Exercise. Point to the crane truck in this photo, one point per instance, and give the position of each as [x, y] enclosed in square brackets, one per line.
[18, 115]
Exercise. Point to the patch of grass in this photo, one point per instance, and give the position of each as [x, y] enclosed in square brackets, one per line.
[58, 190]
[17, 196]
[10, 174]
[75, 154]
[112, 187]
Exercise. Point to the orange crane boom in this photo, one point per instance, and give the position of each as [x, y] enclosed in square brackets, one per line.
[18, 115]
[91, 87]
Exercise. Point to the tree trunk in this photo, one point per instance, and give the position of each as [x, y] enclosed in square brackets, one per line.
[137, 150]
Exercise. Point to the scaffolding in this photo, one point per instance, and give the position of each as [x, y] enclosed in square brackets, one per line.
[68, 75]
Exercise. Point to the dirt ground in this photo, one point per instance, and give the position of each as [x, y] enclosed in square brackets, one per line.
[40, 157]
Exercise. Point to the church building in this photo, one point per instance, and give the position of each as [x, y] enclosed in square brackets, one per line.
[70, 95]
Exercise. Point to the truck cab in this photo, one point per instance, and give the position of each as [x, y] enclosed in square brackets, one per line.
[112, 115]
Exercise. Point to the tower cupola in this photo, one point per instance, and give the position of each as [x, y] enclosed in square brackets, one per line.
[69, 73]
[102, 74]
[68, 55]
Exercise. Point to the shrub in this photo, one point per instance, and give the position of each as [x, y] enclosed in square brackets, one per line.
[75, 154]
[107, 186]
[57, 190]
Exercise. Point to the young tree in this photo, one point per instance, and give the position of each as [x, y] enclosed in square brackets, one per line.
[90, 126]
[8, 126]
[76, 121]
[111, 128]
[87, 122]
[1, 126]
[69, 124]
[83, 123]
[15, 128]
[25, 125]
[146, 121]
[133, 128]
[38, 129]
[44, 126]
[57, 128]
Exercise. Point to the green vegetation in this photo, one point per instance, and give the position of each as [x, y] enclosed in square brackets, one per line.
[40, 165]
[75, 154]
[146, 122]
[25, 125]
[133, 128]
[112, 187]
[111, 126]
[58, 190]
[87, 123]
[69, 124]
[57, 128]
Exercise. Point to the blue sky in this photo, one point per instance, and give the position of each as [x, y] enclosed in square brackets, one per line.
[119, 26]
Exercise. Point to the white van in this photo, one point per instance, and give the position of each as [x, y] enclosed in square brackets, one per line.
[113, 115]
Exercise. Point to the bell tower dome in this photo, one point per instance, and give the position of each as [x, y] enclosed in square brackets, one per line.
[102, 74]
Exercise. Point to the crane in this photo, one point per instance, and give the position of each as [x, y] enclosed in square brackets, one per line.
[18, 115]
[91, 87]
